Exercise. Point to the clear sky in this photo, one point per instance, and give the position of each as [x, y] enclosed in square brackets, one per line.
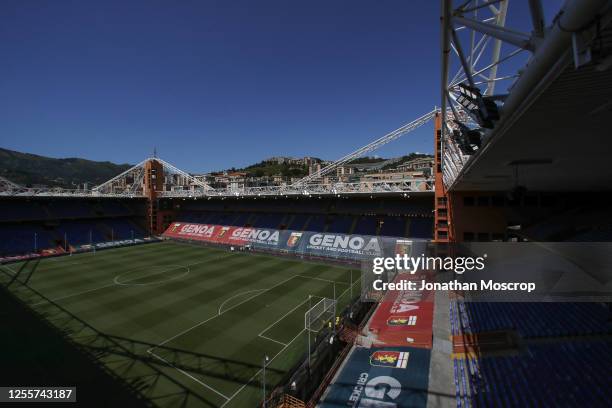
[215, 84]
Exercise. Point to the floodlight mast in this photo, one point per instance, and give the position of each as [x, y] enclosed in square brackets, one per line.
[486, 36]
[407, 128]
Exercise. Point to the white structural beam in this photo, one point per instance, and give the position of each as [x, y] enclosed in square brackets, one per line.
[548, 46]
[515, 38]
[537, 17]
[110, 182]
[7, 185]
[400, 186]
[192, 180]
[394, 187]
[407, 128]
[501, 21]
[137, 172]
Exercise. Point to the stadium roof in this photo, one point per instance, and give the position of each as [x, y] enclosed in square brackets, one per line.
[560, 143]
[552, 131]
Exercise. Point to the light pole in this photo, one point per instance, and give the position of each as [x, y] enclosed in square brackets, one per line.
[307, 326]
[265, 361]
[334, 316]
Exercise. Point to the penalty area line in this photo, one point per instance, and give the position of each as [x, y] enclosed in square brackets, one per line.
[222, 313]
[189, 375]
[271, 339]
[278, 320]
[323, 280]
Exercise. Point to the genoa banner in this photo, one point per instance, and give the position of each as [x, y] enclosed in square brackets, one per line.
[309, 243]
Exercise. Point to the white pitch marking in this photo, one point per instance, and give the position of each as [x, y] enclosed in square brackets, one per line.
[281, 318]
[276, 341]
[217, 315]
[189, 375]
[172, 268]
[75, 294]
[323, 280]
[257, 373]
[109, 285]
[236, 295]
[11, 270]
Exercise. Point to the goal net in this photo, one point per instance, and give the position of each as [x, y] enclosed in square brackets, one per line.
[320, 314]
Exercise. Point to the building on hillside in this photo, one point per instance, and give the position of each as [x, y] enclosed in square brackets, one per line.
[342, 171]
[314, 168]
[424, 164]
[236, 180]
[277, 179]
[305, 161]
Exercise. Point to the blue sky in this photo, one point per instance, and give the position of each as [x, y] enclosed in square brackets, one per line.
[215, 84]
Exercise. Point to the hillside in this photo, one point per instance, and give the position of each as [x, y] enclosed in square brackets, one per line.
[29, 169]
[268, 169]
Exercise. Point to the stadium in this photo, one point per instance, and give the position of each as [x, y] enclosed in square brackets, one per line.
[158, 288]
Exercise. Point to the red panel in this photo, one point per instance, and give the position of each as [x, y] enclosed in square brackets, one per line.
[404, 318]
[218, 234]
[223, 234]
[197, 232]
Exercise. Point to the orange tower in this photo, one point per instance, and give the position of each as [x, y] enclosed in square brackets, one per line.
[153, 182]
[442, 221]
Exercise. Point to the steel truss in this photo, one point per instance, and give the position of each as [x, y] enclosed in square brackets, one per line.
[181, 184]
[407, 128]
[472, 37]
[370, 187]
[8, 184]
[474, 34]
[131, 180]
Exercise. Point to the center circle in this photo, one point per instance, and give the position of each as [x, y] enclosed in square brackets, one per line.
[151, 275]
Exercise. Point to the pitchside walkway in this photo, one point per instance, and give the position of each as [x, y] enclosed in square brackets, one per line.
[407, 349]
[441, 391]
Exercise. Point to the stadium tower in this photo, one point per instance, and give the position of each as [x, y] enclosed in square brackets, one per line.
[442, 232]
[153, 182]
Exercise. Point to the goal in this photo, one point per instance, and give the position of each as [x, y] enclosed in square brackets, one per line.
[319, 315]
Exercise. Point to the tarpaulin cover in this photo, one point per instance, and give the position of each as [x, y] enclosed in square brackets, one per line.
[405, 317]
[381, 377]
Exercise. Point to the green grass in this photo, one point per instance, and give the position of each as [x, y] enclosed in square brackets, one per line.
[232, 308]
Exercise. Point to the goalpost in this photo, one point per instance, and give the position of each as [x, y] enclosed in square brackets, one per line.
[317, 316]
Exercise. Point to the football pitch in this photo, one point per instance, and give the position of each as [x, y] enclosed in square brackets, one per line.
[229, 309]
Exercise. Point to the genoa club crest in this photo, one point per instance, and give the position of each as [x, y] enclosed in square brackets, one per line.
[175, 226]
[392, 359]
[401, 321]
[223, 231]
[294, 239]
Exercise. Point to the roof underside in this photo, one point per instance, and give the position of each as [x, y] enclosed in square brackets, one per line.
[560, 140]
